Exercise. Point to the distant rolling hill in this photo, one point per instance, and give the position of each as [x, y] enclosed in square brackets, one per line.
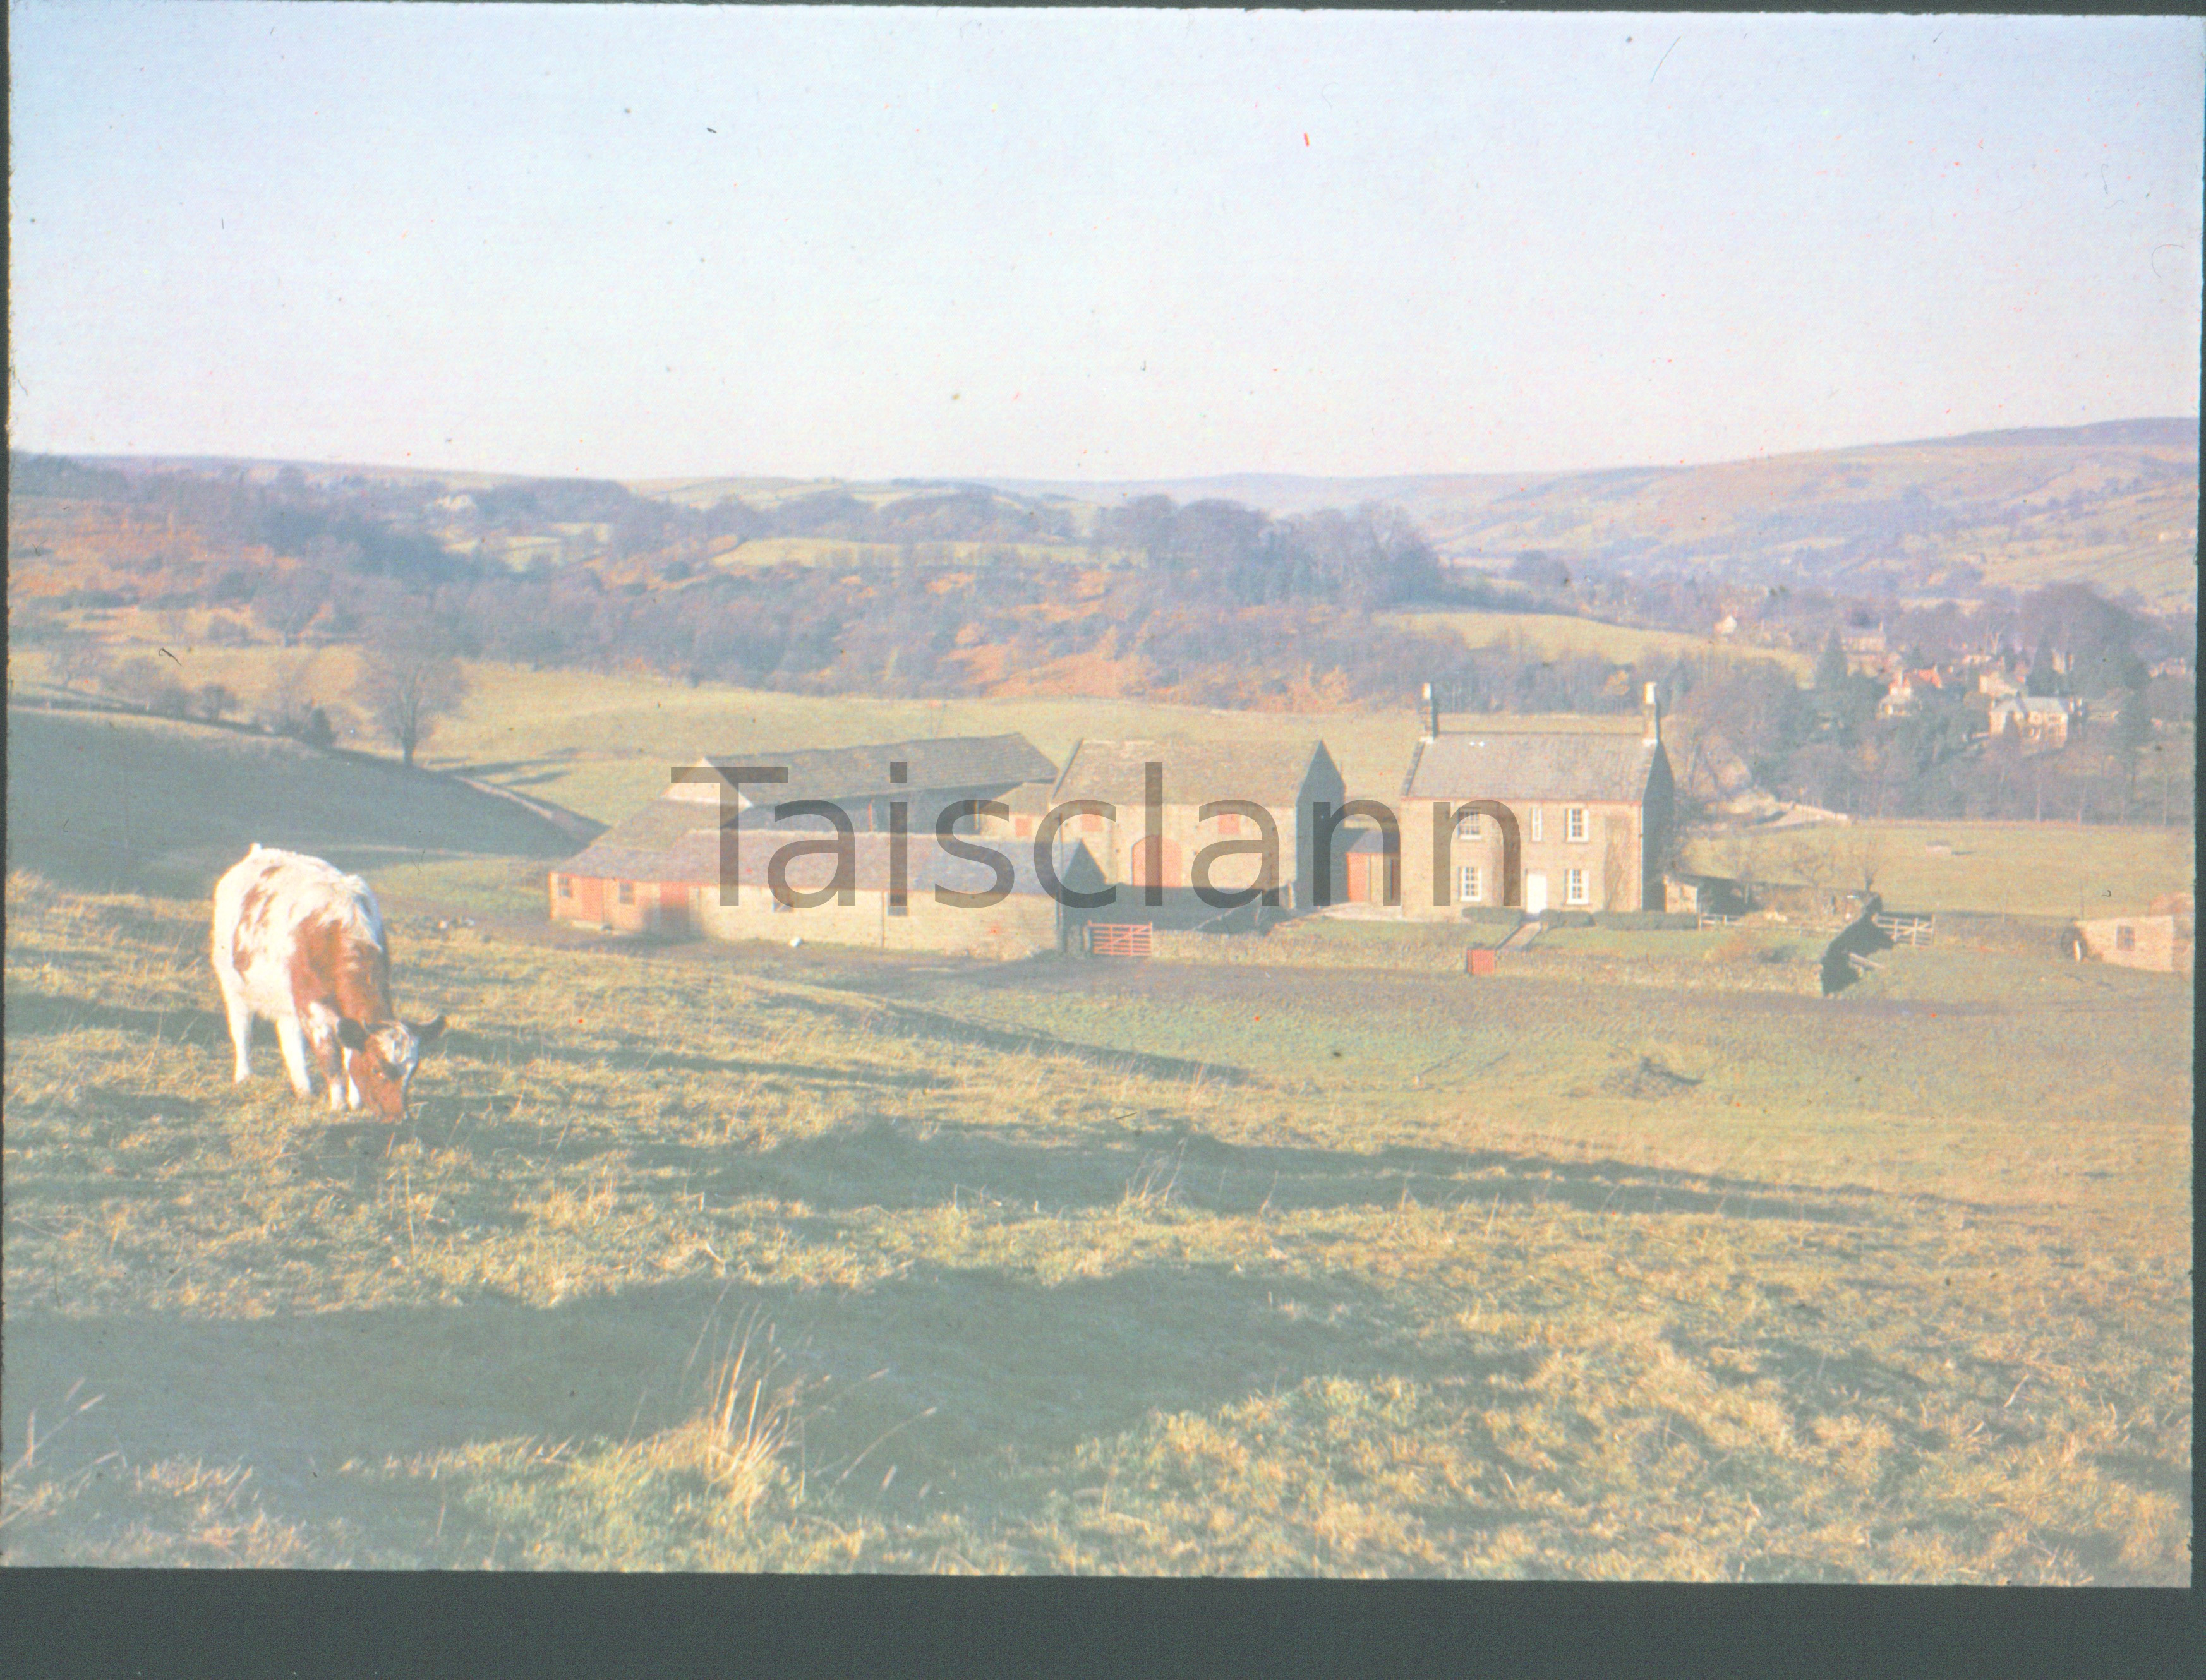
[2115, 504]
[118, 802]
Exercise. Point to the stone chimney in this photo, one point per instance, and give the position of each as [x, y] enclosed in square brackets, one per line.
[1652, 704]
[1429, 723]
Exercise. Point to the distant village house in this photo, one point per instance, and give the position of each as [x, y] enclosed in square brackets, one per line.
[2041, 723]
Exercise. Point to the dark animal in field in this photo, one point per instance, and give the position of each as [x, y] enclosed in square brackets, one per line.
[302, 945]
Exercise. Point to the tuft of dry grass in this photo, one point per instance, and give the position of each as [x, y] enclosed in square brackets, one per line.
[750, 1421]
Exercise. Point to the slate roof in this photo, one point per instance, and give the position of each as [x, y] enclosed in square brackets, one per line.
[1270, 773]
[1605, 765]
[693, 857]
[954, 763]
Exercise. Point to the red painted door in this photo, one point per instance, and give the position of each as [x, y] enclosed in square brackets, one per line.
[1156, 862]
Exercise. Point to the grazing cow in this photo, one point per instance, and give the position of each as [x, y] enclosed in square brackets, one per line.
[300, 943]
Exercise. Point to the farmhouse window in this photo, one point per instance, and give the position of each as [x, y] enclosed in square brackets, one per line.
[899, 902]
[1467, 828]
[1574, 886]
[1466, 883]
[2126, 937]
[627, 892]
[1574, 822]
[566, 886]
[1539, 828]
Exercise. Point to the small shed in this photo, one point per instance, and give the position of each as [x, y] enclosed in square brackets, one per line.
[2161, 944]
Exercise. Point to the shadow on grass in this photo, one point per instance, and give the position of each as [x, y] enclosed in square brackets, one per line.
[935, 1027]
[1013, 1371]
[889, 1166]
[36, 1014]
[498, 1049]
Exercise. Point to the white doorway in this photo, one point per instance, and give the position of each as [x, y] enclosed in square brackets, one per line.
[1536, 894]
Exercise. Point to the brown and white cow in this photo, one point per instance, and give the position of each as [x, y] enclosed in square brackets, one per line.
[298, 942]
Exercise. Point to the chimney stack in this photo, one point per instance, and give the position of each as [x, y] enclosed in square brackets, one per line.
[1432, 714]
[1652, 707]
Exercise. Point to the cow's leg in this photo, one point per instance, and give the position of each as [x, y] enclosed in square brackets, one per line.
[323, 1035]
[293, 1037]
[241, 1031]
[320, 1023]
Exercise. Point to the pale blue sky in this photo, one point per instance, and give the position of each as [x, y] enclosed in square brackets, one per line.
[638, 241]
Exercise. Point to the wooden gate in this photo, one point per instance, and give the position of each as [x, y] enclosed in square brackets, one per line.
[1903, 929]
[1118, 938]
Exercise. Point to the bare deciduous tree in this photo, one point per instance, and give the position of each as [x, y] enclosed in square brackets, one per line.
[1865, 857]
[292, 602]
[1814, 860]
[407, 683]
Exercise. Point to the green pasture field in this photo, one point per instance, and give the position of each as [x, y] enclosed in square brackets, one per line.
[103, 801]
[769, 1258]
[2022, 869]
[1550, 634]
[602, 745]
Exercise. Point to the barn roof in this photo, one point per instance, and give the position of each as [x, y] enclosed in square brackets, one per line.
[1270, 773]
[659, 824]
[941, 764]
[1547, 765]
[694, 858]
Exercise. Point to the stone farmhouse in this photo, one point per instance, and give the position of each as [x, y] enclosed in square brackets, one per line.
[1276, 783]
[1569, 819]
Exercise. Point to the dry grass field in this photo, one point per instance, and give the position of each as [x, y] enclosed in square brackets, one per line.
[1306, 1255]
[751, 1258]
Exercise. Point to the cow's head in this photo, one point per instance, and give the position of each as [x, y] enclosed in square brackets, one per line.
[380, 1061]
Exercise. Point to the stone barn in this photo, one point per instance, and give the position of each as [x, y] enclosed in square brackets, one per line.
[937, 773]
[635, 878]
[1280, 781]
[1569, 818]
[677, 891]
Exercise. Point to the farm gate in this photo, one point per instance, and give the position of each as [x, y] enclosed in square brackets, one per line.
[1118, 938]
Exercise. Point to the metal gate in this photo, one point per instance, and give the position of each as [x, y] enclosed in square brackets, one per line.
[1118, 938]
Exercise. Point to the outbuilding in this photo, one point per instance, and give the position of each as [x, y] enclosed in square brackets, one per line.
[1277, 784]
